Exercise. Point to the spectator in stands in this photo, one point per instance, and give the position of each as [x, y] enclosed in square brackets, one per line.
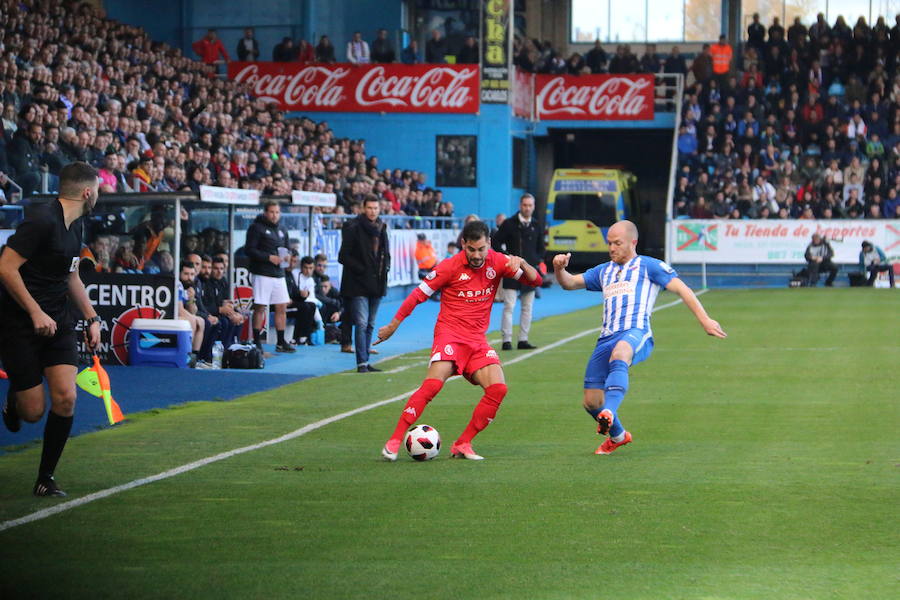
[702, 67]
[722, 55]
[756, 35]
[302, 290]
[649, 61]
[358, 50]
[410, 54]
[25, 157]
[209, 48]
[818, 258]
[366, 257]
[284, 51]
[247, 46]
[325, 50]
[382, 50]
[468, 54]
[267, 249]
[595, 58]
[305, 52]
[873, 261]
[435, 48]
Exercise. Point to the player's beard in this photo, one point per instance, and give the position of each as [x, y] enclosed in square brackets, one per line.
[90, 204]
[476, 263]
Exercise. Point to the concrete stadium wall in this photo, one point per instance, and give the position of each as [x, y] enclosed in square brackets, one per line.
[408, 142]
[185, 21]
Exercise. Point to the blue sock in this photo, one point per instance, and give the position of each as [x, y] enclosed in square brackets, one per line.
[616, 385]
[617, 428]
[593, 412]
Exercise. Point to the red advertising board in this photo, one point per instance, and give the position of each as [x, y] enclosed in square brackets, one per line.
[594, 97]
[366, 88]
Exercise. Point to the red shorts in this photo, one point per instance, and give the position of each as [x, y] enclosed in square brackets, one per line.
[468, 356]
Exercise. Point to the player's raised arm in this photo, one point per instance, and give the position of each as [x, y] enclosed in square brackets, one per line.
[690, 300]
[523, 272]
[566, 280]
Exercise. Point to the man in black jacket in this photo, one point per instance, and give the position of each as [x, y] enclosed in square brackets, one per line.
[25, 157]
[267, 248]
[382, 52]
[519, 235]
[366, 259]
[247, 46]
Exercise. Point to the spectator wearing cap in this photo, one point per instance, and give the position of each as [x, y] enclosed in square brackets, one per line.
[247, 46]
[873, 261]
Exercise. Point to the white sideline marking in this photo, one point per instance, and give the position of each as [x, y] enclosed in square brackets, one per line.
[69, 504]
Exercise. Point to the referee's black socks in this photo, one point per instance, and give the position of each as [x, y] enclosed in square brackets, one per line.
[56, 433]
[257, 337]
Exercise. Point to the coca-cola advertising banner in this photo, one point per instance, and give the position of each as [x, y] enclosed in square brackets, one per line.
[594, 97]
[391, 88]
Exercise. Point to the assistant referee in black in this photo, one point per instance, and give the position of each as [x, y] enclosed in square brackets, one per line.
[41, 303]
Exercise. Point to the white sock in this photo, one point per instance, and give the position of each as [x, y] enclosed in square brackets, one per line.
[618, 438]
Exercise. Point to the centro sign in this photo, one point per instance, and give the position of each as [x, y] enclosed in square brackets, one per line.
[110, 294]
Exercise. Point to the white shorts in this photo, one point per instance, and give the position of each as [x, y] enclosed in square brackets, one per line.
[268, 291]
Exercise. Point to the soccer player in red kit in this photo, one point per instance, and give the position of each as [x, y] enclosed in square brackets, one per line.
[468, 283]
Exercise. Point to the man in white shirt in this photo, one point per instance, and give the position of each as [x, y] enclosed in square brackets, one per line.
[302, 290]
[358, 50]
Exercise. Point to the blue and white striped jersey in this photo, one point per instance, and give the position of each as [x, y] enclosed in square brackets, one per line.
[629, 291]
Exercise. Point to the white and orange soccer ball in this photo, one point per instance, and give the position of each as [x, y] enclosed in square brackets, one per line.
[423, 442]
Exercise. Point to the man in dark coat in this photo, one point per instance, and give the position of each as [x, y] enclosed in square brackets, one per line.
[366, 258]
[519, 235]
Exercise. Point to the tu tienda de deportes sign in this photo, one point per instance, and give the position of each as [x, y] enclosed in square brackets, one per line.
[392, 88]
[776, 241]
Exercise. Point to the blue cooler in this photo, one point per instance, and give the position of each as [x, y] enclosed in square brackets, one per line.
[159, 343]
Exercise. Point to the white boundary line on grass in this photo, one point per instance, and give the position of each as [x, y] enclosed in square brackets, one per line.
[70, 504]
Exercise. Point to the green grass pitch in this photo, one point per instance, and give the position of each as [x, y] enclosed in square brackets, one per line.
[766, 465]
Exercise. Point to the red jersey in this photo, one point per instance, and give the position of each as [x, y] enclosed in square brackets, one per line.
[467, 294]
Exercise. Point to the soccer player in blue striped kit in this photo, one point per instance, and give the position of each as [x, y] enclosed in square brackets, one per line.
[630, 283]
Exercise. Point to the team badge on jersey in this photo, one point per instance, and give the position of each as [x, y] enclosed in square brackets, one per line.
[490, 273]
[448, 350]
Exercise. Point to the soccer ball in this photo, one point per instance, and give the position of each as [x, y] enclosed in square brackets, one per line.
[423, 442]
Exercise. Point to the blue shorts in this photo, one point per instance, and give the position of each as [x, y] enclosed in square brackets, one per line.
[641, 342]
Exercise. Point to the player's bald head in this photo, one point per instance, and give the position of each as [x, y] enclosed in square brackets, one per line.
[626, 229]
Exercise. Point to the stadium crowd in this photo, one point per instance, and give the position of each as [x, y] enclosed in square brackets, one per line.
[76, 86]
[801, 124]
